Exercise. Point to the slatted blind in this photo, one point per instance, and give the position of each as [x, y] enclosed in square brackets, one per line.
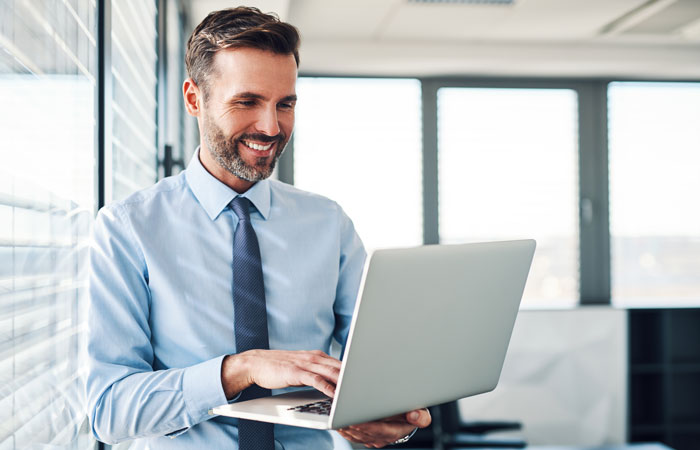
[48, 66]
[134, 95]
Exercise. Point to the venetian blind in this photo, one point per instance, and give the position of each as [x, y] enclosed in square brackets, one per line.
[48, 66]
[134, 95]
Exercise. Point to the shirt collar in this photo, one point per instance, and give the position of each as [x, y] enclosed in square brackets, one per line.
[214, 196]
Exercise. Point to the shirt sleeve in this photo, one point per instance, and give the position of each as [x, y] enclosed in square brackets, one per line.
[127, 399]
[351, 267]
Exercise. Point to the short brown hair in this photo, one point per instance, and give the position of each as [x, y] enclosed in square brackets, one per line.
[235, 28]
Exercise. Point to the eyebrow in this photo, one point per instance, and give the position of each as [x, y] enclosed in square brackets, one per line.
[254, 96]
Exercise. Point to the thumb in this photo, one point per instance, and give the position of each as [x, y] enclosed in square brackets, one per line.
[419, 418]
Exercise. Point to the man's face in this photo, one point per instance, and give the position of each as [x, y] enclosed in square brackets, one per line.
[248, 113]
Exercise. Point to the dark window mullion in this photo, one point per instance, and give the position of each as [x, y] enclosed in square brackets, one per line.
[431, 233]
[594, 230]
[104, 102]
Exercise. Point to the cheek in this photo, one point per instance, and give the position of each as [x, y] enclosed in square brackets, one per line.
[237, 123]
[286, 123]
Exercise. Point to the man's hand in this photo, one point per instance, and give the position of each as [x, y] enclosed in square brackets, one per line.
[276, 369]
[383, 432]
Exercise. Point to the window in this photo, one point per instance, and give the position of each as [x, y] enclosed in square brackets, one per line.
[358, 141]
[48, 63]
[508, 168]
[134, 100]
[654, 186]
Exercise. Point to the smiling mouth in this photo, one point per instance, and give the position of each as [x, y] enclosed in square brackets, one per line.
[258, 147]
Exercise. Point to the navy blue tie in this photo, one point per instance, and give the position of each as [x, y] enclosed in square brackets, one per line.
[250, 318]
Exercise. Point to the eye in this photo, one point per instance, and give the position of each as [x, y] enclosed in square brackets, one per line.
[286, 105]
[246, 103]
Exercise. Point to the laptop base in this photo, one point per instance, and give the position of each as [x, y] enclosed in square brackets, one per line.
[276, 409]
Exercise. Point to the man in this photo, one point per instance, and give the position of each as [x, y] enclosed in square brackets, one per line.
[220, 285]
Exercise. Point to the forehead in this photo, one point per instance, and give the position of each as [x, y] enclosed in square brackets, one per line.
[262, 72]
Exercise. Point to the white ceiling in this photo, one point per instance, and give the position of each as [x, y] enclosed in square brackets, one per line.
[570, 38]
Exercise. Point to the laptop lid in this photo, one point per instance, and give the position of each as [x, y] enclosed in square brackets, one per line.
[432, 325]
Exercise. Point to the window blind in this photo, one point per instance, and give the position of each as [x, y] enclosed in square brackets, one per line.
[48, 61]
[134, 96]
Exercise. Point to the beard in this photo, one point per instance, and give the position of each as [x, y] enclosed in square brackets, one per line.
[225, 151]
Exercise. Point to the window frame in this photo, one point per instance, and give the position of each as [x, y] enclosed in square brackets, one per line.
[594, 235]
[594, 238]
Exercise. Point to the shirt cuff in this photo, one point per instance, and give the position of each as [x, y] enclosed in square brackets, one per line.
[202, 389]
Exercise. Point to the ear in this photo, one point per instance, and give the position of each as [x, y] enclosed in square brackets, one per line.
[193, 97]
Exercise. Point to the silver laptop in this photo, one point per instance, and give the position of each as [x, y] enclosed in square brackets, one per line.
[431, 325]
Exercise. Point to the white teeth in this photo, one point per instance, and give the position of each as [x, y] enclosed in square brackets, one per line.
[258, 147]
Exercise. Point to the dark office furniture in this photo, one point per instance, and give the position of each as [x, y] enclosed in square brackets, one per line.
[633, 446]
[664, 377]
[449, 432]
[457, 434]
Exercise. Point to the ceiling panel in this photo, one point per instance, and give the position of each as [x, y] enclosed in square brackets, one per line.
[523, 20]
[198, 9]
[336, 19]
[440, 22]
[669, 20]
[561, 19]
[692, 31]
[529, 38]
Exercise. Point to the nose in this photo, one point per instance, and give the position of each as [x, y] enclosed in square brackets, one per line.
[267, 122]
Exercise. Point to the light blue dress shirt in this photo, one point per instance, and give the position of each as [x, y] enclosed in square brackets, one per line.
[161, 309]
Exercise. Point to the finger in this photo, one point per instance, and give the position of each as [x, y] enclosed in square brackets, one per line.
[316, 381]
[350, 436]
[318, 357]
[359, 437]
[383, 431]
[297, 355]
[275, 369]
[396, 418]
[331, 373]
[367, 439]
[321, 353]
[419, 418]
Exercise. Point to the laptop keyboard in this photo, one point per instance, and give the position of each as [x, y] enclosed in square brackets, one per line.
[323, 407]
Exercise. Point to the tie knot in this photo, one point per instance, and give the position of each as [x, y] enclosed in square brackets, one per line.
[241, 207]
